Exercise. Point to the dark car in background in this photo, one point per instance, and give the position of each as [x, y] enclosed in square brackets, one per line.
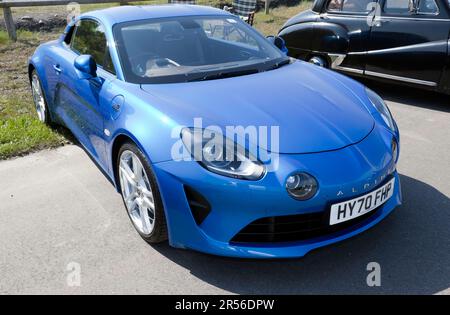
[404, 41]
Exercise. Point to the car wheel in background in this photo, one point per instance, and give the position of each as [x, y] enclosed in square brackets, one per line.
[140, 194]
[319, 61]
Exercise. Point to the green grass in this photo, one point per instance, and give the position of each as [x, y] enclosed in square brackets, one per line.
[270, 24]
[23, 35]
[20, 130]
[98, 6]
[3, 37]
[22, 134]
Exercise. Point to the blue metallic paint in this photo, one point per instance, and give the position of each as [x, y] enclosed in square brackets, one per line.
[328, 128]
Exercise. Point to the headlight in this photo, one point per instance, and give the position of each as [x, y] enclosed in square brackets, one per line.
[220, 155]
[382, 108]
[394, 148]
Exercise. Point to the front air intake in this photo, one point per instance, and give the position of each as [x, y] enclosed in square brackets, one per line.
[198, 204]
[295, 228]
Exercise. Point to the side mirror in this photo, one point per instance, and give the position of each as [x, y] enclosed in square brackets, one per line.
[86, 65]
[279, 42]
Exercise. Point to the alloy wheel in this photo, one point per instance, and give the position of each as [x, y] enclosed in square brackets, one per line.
[137, 192]
[38, 97]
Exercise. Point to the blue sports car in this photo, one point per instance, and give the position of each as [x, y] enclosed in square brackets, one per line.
[216, 139]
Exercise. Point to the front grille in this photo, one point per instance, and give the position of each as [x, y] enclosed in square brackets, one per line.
[294, 228]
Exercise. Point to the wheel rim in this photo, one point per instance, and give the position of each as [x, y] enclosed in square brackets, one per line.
[137, 192]
[318, 61]
[38, 98]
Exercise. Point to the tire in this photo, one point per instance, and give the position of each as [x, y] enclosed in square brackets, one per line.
[153, 230]
[39, 99]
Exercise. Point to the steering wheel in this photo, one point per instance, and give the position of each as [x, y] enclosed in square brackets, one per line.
[139, 62]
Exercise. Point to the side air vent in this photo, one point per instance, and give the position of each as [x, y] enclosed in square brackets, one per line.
[200, 207]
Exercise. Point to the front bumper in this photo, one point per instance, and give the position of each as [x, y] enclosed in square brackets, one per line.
[342, 174]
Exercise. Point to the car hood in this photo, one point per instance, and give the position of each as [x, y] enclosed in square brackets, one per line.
[315, 109]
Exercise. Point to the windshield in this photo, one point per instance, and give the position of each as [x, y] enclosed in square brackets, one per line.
[182, 49]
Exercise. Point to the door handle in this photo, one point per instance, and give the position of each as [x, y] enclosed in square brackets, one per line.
[57, 68]
[379, 23]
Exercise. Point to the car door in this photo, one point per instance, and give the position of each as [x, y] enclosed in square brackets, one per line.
[84, 104]
[342, 31]
[409, 42]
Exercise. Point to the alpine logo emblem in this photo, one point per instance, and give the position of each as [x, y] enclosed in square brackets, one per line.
[366, 186]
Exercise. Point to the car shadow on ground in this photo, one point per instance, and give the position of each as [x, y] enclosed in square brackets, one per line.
[410, 96]
[411, 245]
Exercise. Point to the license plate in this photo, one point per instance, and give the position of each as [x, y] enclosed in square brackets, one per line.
[350, 209]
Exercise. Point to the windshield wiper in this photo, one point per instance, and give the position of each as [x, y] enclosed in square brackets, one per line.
[280, 64]
[224, 74]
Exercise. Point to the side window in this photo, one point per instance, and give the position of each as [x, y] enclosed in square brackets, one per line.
[428, 7]
[108, 64]
[90, 39]
[350, 6]
[404, 7]
[397, 7]
[69, 35]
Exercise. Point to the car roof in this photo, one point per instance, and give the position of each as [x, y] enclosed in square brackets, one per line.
[122, 14]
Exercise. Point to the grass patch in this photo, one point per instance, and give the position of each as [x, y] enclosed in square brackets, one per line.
[98, 6]
[22, 35]
[270, 24]
[23, 134]
[20, 130]
[3, 37]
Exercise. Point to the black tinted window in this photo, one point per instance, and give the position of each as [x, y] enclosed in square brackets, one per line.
[69, 35]
[90, 39]
[353, 6]
[108, 64]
